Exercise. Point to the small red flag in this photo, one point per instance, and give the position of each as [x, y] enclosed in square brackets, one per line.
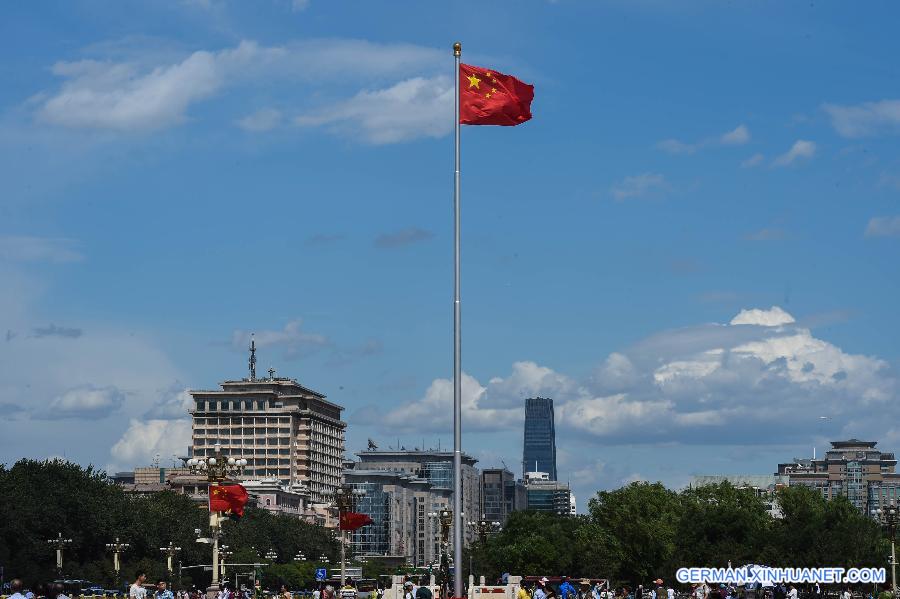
[227, 498]
[353, 520]
[487, 97]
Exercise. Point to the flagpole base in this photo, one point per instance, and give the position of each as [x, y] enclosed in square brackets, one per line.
[212, 591]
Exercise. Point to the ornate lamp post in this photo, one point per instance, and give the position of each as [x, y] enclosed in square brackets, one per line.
[299, 557]
[345, 497]
[889, 517]
[170, 551]
[445, 518]
[117, 548]
[58, 543]
[224, 553]
[217, 468]
[271, 555]
[482, 527]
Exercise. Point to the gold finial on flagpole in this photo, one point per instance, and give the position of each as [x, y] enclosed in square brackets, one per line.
[457, 49]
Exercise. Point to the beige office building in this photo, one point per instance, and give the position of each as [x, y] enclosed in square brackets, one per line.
[283, 429]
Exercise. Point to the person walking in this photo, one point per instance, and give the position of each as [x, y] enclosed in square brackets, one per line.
[137, 590]
[566, 590]
[162, 592]
[540, 589]
[523, 592]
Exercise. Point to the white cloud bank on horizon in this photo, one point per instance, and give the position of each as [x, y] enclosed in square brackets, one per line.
[697, 385]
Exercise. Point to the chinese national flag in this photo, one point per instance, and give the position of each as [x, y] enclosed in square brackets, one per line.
[227, 498]
[487, 97]
[352, 520]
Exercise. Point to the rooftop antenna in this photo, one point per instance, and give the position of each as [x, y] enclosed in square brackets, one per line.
[271, 374]
[252, 358]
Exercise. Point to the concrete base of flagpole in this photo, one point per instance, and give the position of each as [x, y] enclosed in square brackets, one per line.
[212, 591]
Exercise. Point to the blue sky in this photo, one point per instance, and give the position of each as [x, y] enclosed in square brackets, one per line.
[176, 175]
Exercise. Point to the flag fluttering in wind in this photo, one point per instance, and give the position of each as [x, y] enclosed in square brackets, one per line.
[482, 97]
[228, 498]
[353, 520]
[487, 97]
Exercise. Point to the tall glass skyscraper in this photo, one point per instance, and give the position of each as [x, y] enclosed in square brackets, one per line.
[539, 448]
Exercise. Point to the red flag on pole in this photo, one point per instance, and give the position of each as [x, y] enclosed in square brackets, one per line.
[353, 520]
[227, 498]
[487, 97]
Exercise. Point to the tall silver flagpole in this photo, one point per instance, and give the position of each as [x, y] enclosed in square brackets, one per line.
[457, 359]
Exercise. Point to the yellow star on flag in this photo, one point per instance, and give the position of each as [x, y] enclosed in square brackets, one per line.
[474, 81]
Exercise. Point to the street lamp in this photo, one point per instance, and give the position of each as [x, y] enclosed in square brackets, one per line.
[299, 557]
[345, 497]
[59, 542]
[271, 555]
[482, 527]
[170, 551]
[224, 552]
[445, 517]
[217, 468]
[324, 559]
[888, 517]
[117, 548]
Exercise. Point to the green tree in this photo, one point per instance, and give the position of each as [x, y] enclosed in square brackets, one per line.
[640, 522]
[720, 523]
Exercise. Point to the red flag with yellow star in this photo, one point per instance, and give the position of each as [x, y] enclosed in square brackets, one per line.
[487, 97]
[227, 498]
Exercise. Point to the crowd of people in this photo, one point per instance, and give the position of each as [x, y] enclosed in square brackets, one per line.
[599, 589]
[541, 588]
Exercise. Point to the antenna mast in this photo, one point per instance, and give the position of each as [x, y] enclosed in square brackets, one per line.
[252, 358]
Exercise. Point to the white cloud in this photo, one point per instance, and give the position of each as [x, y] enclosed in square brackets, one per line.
[868, 118]
[264, 119]
[434, 411]
[84, 402]
[22, 248]
[295, 341]
[158, 93]
[410, 109]
[754, 160]
[639, 186]
[299, 5]
[736, 137]
[144, 440]
[883, 226]
[174, 403]
[801, 149]
[674, 146]
[772, 317]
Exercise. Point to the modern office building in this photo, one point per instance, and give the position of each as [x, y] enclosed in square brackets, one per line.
[545, 495]
[400, 505]
[501, 494]
[539, 447]
[284, 430]
[852, 468]
[434, 467]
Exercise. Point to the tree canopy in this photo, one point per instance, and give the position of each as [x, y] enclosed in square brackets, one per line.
[41, 499]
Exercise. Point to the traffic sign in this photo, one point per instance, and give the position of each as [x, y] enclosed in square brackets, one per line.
[321, 574]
